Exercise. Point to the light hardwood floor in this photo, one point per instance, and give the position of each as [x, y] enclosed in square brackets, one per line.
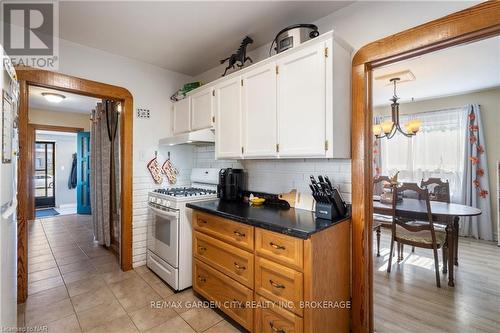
[407, 300]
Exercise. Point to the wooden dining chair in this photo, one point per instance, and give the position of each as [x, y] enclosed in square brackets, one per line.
[415, 232]
[439, 190]
[379, 220]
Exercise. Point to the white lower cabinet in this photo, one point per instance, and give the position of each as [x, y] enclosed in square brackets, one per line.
[228, 143]
[259, 112]
[301, 103]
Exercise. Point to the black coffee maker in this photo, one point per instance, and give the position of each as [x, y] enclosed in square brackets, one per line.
[231, 185]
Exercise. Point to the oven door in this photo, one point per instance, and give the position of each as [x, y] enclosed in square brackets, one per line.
[163, 234]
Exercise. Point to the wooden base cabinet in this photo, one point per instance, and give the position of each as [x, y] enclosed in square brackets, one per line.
[272, 282]
[231, 297]
[273, 319]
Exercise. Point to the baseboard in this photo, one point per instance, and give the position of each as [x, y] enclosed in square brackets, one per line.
[67, 206]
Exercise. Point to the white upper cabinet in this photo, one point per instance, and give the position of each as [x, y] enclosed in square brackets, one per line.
[295, 104]
[259, 112]
[182, 116]
[301, 103]
[228, 119]
[202, 110]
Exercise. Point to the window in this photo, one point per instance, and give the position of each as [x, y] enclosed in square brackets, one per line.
[436, 151]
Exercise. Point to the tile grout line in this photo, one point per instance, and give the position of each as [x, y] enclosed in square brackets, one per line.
[60, 274]
[64, 281]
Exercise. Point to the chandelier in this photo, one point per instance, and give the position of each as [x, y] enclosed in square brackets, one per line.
[388, 128]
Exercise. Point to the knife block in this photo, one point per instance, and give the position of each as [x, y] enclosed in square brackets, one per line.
[326, 211]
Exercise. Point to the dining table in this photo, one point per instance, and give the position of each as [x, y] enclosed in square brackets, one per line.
[441, 212]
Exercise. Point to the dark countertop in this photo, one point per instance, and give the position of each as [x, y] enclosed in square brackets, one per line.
[294, 222]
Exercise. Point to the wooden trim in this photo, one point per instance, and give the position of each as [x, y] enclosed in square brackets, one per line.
[35, 77]
[30, 214]
[473, 23]
[22, 192]
[468, 25]
[41, 127]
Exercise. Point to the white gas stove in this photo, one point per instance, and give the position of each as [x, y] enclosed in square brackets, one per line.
[169, 230]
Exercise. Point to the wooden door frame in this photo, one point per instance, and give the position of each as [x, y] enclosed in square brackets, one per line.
[32, 128]
[35, 77]
[472, 24]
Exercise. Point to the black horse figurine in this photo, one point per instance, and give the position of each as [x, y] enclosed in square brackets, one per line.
[240, 55]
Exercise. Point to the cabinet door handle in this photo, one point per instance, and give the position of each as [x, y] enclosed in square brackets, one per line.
[274, 329]
[242, 268]
[276, 285]
[202, 248]
[202, 221]
[202, 278]
[276, 246]
[239, 234]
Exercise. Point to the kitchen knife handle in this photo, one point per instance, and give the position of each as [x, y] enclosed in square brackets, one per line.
[327, 180]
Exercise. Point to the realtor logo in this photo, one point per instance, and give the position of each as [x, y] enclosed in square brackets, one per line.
[29, 33]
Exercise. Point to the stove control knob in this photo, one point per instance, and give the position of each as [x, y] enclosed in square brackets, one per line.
[166, 203]
[152, 199]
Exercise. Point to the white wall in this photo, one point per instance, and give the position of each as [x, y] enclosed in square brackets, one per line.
[366, 21]
[65, 148]
[151, 88]
[57, 118]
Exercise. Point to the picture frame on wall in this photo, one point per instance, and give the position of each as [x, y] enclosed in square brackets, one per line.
[7, 127]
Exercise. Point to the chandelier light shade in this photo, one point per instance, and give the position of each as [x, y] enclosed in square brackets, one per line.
[389, 128]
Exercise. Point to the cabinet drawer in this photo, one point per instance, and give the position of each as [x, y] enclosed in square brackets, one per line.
[231, 296]
[279, 283]
[280, 248]
[273, 319]
[228, 259]
[229, 231]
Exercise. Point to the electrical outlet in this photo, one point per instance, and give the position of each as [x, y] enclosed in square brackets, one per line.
[143, 113]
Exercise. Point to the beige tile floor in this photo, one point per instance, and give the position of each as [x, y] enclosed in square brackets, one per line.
[75, 285]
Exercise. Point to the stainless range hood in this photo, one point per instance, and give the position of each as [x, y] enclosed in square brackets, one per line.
[195, 137]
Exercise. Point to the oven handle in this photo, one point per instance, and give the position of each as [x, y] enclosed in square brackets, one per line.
[169, 213]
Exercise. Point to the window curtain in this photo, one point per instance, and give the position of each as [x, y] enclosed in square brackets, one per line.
[476, 190]
[436, 151]
[104, 175]
[377, 162]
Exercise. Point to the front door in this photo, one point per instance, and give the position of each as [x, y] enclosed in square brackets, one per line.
[45, 195]
[83, 173]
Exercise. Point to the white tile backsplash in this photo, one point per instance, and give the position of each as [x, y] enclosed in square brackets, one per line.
[276, 176]
[271, 176]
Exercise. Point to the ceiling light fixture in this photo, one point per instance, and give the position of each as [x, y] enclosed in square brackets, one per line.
[53, 97]
[388, 128]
